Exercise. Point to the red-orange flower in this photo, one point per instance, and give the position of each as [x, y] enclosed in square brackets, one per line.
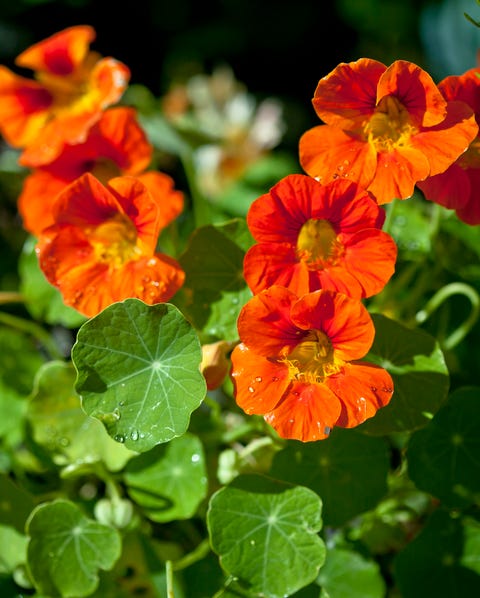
[386, 128]
[101, 247]
[72, 87]
[297, 364]
[312, 236]
[458, 188]
[116, 145]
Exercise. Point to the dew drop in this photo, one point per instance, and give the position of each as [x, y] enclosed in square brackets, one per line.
[119, 438]
[275, 379]
[251, 389]
[134, 435]
[64, 442]
[195, 458]
[258, 379]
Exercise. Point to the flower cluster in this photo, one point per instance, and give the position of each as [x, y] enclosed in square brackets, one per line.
[320, 249]
[95, 208]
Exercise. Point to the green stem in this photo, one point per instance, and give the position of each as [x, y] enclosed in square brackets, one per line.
[200, 206]
[455, 288]
[11, 297]
[35, 330]
[197, 554]
[169, 576]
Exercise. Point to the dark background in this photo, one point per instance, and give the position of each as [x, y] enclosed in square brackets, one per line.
[277, 48]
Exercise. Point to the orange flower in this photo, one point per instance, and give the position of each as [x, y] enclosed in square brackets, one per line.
[101, 247]
[313, 236]
[386, 128]
[72, 87]
[458, 187]
[116, 145]
[297, 363]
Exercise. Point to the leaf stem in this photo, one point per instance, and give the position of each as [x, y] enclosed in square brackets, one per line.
[11, 297]
[169, 577]
[455, 288]
[33, 329]
[197, 554]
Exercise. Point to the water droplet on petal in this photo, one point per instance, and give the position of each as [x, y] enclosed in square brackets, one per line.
[258, 379]
[251, 389]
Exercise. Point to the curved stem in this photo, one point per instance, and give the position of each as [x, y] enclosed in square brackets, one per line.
[197, 554]
[35, 330]
[169, 576]
[455, 288]
[11, 297]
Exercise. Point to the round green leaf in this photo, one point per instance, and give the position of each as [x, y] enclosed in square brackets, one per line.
[169, 481]
[444, 458]
[139, 372]
[420, 376]
[348, 470]
[347, 574]
[442, 561]
[266, 534]
[215, 287]
[13, 549]
[66, 549]
[61, 426]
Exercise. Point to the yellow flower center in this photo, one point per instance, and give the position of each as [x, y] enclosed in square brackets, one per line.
[390, 126]
[313, 359]
[115, 241]
[317, 245]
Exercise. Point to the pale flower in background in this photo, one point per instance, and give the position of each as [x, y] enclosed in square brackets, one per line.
[237, 130]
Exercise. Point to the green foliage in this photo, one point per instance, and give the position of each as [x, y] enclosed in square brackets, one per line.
[138, 372]
[257, 524]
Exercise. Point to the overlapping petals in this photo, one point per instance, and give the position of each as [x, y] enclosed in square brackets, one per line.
[116, 145]
[102, 245]
[457, 187]
[386, 128]
[312, 236]
[72, 87]
[297, 363]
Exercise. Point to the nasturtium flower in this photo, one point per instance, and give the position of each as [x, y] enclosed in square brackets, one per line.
[298, 363]
[116, 145]
[71, 88]
[312, 236]
[102, 245]
[458, 188]
[385, 128]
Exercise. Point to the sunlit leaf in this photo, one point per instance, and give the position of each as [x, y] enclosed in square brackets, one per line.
[61, 426]
[348, 470]
[266, 534]
[138, 372]
[67, 549]
[444, 457]
[13, 549]
[169, 481]
[420, 376]
[347, 574]
[43, 301]
[214, 286]
[442, 561]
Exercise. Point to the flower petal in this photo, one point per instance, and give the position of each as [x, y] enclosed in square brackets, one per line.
[327, 153]
[307, 412]
[362, 389]
[347, 95]
[444, 143]
[35, 202]
[264, 323]
[259, 383]
[170, 201]
[59, 54]
[416, 91]
[345, 321]
[450, 189]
